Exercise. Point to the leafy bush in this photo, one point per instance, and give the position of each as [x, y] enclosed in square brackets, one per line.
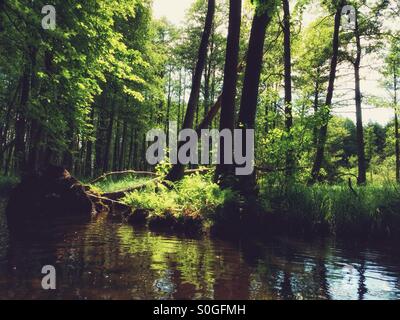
[194, 195]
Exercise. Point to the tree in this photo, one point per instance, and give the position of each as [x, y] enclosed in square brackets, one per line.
[176, 173]
[288, 83]
[391, 73]
[227, 119]
[249, 99]
[362, 166]
[323, 131]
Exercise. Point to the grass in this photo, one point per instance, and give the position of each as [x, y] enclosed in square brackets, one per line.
[197, 202]
[112, 185]
[373, 210]
[189, 203]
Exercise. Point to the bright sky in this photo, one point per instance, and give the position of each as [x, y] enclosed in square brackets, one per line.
[174, 11]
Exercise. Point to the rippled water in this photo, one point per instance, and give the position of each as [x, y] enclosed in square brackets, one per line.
[108, 260]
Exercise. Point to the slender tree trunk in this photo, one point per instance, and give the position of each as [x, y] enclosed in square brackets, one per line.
[207, 78]
[68, 157]
[249, 100]
[288, 86]
[323, 132]
[179, 99]
[123, 146]
[135, 150]
[101, 138]
[316, 107]
[107, 150]
[177, 170]
[4, 144]
[117, 144]
[183, 100]
[36, 129]
[20, 123]
[130, 152]
[362, 168]
[10, 156]
[89, 150]
[396, 129]
[168, 104]
[227, 119]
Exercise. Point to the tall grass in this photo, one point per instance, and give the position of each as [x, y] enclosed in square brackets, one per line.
[369, 210]
[112, 185]
[372, 210]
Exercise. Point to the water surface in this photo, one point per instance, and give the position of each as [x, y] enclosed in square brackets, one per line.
[108, 260]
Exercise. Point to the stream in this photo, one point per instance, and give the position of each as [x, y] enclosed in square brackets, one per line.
[103, 259]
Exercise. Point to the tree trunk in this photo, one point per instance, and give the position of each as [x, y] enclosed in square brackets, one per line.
[207, 78]
[117, 144]
[89, 150]
[107, 150]
[177, 170]
[168, 104]
[101, 133]
[20, 123]
[316, 107]
[130, 151]
[179, 100]
[323, 132]
[227, 119]
[396, 129]
[362, 170]
[288, 86]
[135, 150]
[248, 104]
[122, 163]
[4, 131]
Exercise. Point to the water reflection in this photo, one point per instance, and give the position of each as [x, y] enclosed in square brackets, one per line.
[105, 260]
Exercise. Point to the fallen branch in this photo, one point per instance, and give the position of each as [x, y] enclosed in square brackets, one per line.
[200, 170]
[271, 170]
[119, 173]
[117, 195]
[110, 203]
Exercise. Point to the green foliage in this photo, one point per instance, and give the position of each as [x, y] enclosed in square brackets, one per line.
[368, 211]
[111, 185]
[194, 195]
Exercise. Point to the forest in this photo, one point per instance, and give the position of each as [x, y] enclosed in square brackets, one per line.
[83, 94]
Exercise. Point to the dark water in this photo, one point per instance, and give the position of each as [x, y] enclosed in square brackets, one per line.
[108, 260]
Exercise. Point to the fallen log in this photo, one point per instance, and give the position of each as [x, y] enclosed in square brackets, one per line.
[119, 173]
[117, 195]
[53, 192]
[42, 196]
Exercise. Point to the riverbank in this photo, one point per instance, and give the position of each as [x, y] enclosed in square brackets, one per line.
[196, 204]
